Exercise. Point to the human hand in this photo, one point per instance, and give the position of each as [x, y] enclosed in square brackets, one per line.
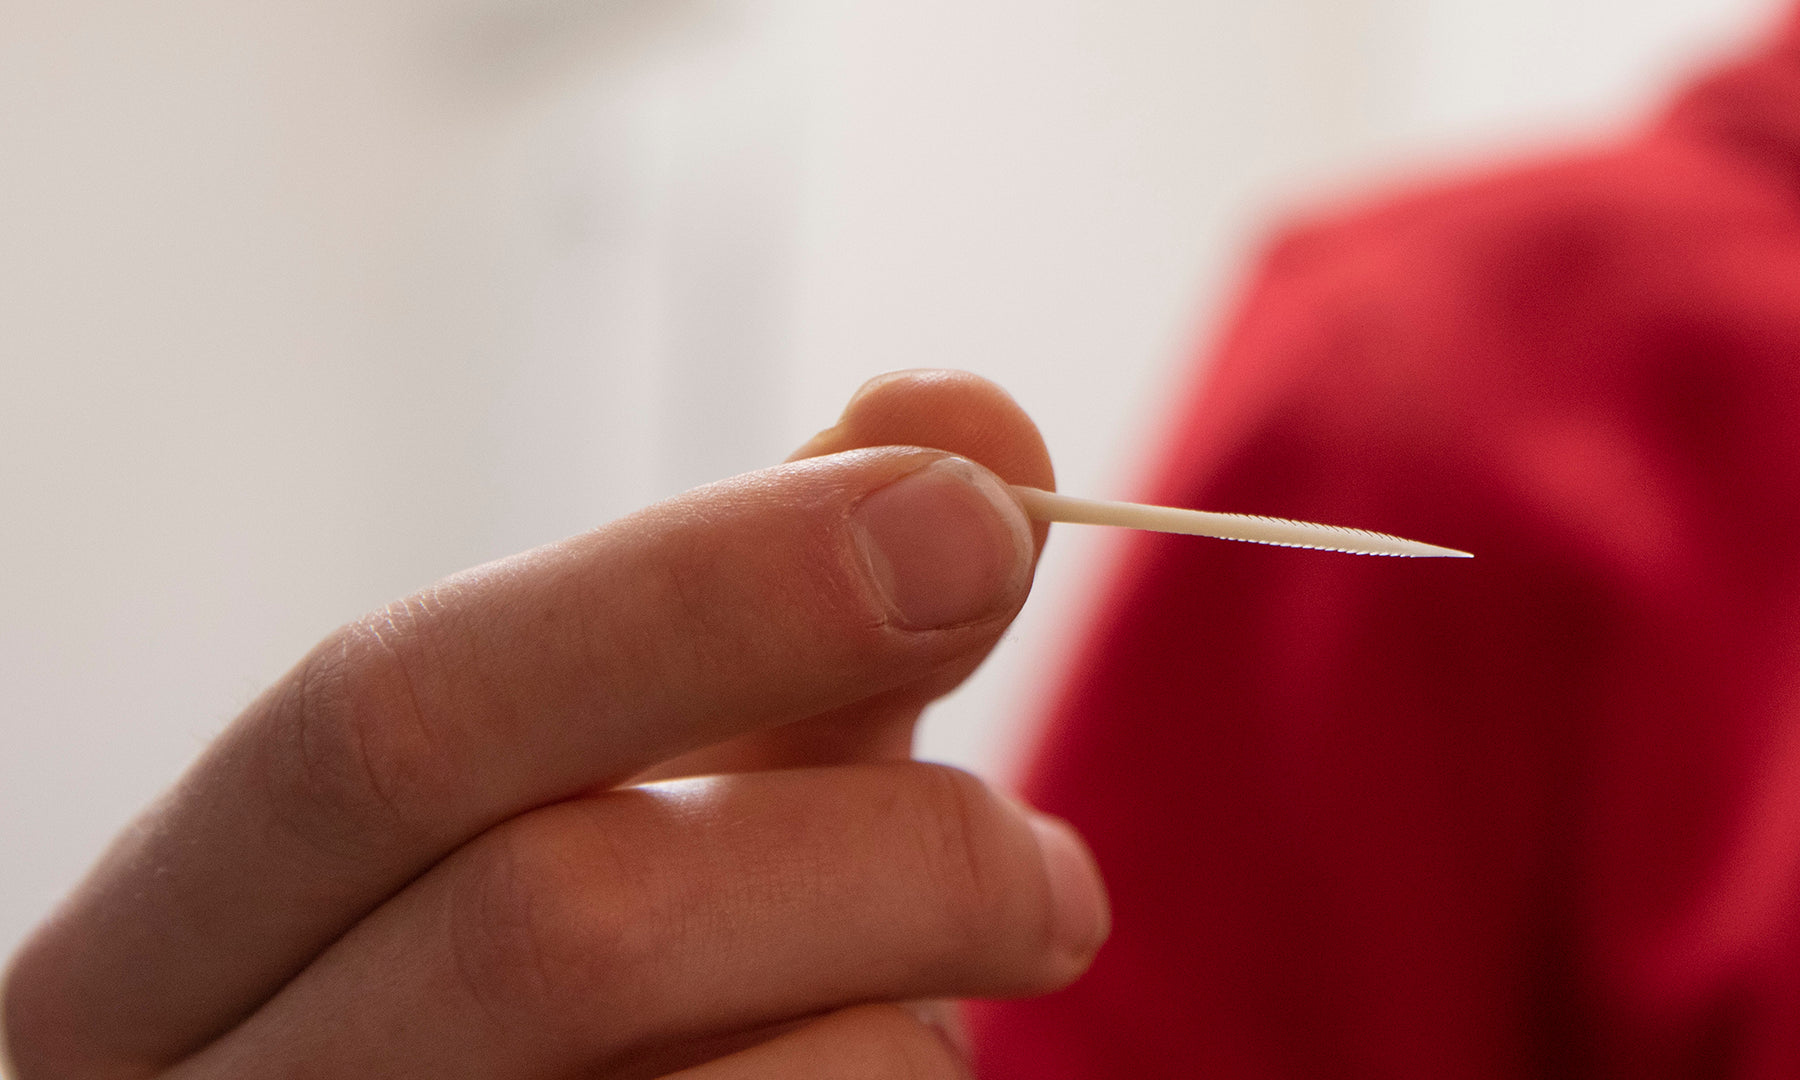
[427, 850]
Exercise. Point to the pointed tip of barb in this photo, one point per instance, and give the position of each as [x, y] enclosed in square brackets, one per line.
[1436, 552]
[1358, 542]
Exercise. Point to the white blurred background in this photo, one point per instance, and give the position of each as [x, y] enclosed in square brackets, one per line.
[303, 305]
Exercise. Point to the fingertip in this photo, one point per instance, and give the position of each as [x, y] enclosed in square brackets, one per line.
[956, 411]
[1082, 919]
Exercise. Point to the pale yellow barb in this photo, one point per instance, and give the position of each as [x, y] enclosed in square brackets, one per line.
[1049, 506]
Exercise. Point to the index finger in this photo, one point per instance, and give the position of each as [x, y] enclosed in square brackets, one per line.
[770, 597]
[956, 411]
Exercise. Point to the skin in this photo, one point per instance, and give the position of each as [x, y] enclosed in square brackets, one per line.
[455, 840]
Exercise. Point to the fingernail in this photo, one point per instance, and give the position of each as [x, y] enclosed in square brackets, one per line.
[945, 545]
[1083, 915]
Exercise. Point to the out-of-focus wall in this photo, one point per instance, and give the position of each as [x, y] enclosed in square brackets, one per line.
[304, 305]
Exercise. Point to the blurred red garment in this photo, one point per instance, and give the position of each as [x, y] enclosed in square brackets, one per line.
[1531, 815]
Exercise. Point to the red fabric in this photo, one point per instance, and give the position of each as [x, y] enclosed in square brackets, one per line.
[1535, 814]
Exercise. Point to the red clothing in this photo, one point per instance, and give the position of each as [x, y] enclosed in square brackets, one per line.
[1534, 814]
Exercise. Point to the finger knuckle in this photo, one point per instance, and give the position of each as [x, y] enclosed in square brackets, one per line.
[960, 829]
[358, 760]
[507, 928]
[541, 930]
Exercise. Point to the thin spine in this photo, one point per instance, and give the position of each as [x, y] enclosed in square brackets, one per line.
[1050, 506]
